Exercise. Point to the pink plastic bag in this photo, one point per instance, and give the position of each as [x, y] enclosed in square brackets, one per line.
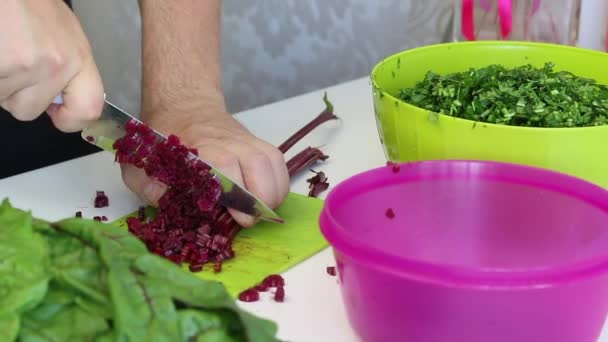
[554, 21]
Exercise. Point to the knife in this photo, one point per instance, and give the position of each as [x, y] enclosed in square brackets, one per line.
[111, 126]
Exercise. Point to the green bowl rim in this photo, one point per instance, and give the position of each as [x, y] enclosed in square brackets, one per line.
[488, 43]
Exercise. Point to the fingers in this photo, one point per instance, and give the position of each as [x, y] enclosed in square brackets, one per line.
[8, 86]
[228, 163]
[45, 53]
[250, 162]
[263, 171]
[20, 83]
[33, 99]
[258, 175]
[281, 175]
[83, 100]
[148, 189]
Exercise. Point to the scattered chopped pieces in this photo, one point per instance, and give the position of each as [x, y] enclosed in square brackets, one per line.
[271, 281]
[317, 178]
[104, 218]
[101, 200]
[390, 213]
[249, 295]
[274, 280]
[396, 167]
[331, 270]
[261, 287]
[192, 267]
[97, 218]
[279, 294]
[318, 188]
[317, 184]
[78, 214]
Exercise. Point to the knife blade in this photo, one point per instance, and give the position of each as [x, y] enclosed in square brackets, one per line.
[111, 126]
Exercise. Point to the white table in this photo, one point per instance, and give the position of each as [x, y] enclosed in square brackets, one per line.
[313, 309]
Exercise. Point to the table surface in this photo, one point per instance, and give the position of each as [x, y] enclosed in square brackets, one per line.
[313, 309]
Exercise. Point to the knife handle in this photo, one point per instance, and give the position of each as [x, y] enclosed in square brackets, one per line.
[58, 99]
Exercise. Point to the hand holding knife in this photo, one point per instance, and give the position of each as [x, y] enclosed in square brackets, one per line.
[111, 126]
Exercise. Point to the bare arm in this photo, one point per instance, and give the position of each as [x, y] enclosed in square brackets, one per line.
[182, 95]
[181, 57]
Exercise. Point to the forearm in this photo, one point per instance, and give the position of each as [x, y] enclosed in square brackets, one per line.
[181, 58]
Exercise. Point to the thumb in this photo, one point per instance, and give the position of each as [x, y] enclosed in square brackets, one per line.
[148, 189]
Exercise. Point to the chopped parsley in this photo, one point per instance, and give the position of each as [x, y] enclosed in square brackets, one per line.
[521, 96]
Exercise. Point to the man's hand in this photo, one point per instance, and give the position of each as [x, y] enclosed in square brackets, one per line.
[225, 143]
[45, 53]
[182, 95]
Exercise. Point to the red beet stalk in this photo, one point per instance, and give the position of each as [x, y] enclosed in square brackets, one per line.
[304, 159]
[326, 115]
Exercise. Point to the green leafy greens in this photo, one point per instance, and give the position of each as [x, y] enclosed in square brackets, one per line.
[81, 280]
[521, 96]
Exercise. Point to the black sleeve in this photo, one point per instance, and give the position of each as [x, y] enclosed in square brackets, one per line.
[31, 145]
[26, 146]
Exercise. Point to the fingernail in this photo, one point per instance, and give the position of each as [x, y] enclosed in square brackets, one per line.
[153, 192]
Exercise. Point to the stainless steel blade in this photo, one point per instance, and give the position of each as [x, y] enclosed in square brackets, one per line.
[111, 126]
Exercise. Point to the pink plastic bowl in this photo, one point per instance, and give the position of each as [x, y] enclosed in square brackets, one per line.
[476, 251]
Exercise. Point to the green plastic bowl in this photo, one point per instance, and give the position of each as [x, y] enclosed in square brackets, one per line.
[410, 133]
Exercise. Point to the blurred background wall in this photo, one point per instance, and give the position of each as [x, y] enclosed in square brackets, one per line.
[273, 49]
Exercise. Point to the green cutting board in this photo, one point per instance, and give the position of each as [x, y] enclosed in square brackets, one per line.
[270, 248]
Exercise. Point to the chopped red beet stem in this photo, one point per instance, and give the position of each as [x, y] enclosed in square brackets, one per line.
[97, 218]
[104, 218]
[249, 295]
[195, 268]
[279, 294]
[178, 258]
[317, 184]
[318, 189]
[261, 287]
[274, 280]
[390, 213]
[90, 138]
[79, 214]
[319, 177]
[395, 167]
[331, 270]
[101, 200]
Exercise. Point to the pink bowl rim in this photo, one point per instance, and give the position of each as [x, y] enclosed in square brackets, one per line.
[463, 276]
